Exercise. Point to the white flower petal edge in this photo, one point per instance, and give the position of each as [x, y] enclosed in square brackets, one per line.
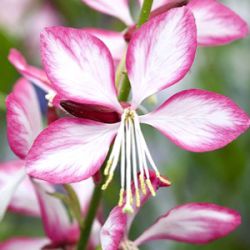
[79, 66]
[199, 120]
[24, 120]
[25, 243]
[8, 189]
[70, 150]
[196, 223]
[216, 23]
[161, 52]
[116, 8]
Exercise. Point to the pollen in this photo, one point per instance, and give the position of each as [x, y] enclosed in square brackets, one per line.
[131, 152]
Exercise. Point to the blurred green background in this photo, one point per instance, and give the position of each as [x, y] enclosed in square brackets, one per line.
[220, 177]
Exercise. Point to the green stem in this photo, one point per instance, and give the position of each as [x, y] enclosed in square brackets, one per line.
[2, 101]
[125, 89]
[143, 17]
[145, 12]
[87, 226]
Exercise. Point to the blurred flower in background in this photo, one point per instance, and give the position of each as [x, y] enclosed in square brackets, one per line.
[25, 19]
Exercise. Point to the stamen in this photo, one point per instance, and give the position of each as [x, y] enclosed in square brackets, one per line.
[150, 187]
[128, 206]
[134, 164]
[49, 97]
[108, 166]
[137, 197]
[149, 157]
[109, 179]
[143, 185]
[128, 209]
[131, 148]
[167, 182]
[128, 162]
[120, 203]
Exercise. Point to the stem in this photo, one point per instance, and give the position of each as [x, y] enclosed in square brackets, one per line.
[125, 89]
[2, 101]
[145, 12]
[143, 17]
[86, 229]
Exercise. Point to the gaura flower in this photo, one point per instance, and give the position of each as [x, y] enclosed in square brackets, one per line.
[80, 69]
[61, 232]
[216, 24]
[24, 123]
[195, 223]
[23, 195]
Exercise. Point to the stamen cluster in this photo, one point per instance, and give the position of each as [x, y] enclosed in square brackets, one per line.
[132, 150]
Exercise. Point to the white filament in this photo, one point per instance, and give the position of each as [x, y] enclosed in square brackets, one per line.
[132, 150]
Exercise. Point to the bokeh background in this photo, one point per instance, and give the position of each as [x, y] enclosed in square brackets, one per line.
[221, 177]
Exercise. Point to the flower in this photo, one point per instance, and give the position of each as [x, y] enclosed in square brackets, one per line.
[60, 231]
[24, 123]
[194, 223]
[27, 19]
[216, 24]
[22, 194]
[81, 70]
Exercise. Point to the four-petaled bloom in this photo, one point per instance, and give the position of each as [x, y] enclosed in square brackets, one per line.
[80, 69]
[216, 24]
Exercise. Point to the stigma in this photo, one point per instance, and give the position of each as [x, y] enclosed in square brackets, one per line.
[130, 150]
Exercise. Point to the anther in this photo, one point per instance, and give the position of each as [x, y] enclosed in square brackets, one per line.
[121, 197]
[109, 179]
[142, 182]
[163, 180]
[150, 187]
[108, 166]
[137, 198]
[128, 209]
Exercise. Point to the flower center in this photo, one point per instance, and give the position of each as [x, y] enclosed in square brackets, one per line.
[131, 149]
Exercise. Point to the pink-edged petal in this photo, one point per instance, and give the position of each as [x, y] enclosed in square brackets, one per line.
[55, 218]
[113, 40]
[116, 8]
[70, 150]
[199, 120]
[79, 66]
[114, 229]
[95, 235]
[118, 224]
[23, 117]
[216, 23]
[11, 175]
[22, 197]
[24, 243]
[85, 187]
[161, 52]
[196, 223]
[33, 74]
